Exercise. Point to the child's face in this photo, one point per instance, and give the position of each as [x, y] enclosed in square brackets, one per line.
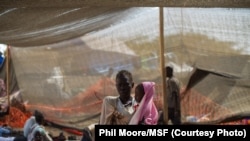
[139, 93]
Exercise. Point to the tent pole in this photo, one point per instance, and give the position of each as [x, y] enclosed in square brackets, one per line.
[7, 75]
[165, 104]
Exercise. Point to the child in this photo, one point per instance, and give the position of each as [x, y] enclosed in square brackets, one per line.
[146, 112]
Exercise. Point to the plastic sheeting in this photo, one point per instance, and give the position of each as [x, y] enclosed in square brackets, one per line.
[26, 27]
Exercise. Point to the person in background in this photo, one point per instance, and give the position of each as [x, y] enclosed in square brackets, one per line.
[4, 129]
[119, 109]
[4, 109]
[173, 96]
[37, 131]
[146, 112]
[33, 130]
[2, 88]
[87, 135]
[110, 72]
[29, 123]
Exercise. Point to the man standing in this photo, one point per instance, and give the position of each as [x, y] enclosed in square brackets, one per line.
[122, 105]
[173, 93]
[115, 110]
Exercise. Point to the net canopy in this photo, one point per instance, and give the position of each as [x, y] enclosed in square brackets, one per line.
[61, 58]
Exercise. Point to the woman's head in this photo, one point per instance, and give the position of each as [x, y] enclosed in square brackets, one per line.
[139, 93]
[144, 88]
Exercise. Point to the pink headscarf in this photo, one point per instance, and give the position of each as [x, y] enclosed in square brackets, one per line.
[147, 108]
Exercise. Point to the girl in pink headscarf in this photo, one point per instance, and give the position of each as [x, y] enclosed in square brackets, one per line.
[146, 112]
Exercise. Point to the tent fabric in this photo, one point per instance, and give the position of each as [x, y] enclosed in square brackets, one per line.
[61, 57]
[127, 3]
[39, 26]
[221, 87]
